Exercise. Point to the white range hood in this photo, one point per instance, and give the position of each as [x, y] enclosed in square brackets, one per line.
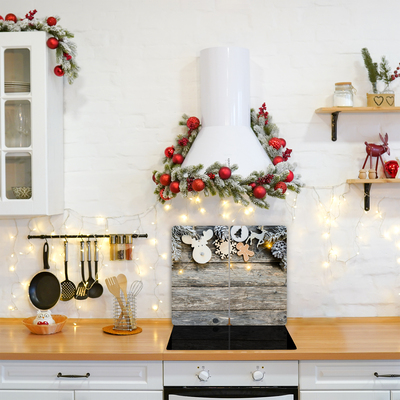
[225, 105]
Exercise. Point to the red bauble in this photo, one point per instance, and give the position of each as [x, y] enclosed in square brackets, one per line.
[283, 142]
[169, 151]
[275, 143]
[51, 21]
[193, 123]
[225, 173]
[154, 179]
[253, 185]
[277, 160]
[259, 192]
[289, 177]
[391, 168]
[281, 185]
[1, 18]
[198, 185]
[58, 70]
[177, 159]
[162, 196]
[174, 187]
[11, 17]
[67, 56]
[165, 179]
[52, 43]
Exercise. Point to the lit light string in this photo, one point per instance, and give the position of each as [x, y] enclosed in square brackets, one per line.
[330, 214]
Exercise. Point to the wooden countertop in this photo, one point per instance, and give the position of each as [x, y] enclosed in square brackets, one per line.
[315, 338]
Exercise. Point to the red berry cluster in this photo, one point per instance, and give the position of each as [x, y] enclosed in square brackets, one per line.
[183, 141]
[30, 15]
[396, 73]
[265, 179]
[286, 154]
[263, 113]
[189, 184]
[211, 176]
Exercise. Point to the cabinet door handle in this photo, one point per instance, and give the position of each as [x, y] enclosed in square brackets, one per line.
[386, 376]
[60, 375]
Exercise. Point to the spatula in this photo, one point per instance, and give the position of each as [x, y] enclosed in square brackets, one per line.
[123, 284]
[115, 290]
[68, 287]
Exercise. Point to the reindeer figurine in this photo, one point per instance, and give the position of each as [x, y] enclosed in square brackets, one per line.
[376, 150]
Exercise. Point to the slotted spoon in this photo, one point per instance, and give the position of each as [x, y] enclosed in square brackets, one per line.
[68, 288]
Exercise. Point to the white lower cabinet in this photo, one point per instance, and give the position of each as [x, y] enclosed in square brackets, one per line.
[83, 380]
[345, 380]
[35, 395]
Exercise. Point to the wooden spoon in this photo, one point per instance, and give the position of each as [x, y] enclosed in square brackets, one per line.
[123, 284]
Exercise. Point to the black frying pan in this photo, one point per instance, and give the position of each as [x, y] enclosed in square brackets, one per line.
[45, 288]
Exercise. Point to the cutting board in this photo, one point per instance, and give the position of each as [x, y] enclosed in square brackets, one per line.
[227, 288]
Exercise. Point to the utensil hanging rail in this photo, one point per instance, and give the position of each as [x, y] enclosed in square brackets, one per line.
[134, 236]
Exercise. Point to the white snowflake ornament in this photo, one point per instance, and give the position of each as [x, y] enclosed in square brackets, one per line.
[222, 248]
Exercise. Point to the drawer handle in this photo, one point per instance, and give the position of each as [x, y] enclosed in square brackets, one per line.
[386, 376]
[60, 375]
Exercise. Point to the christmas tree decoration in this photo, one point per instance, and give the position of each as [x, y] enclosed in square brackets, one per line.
[391, 168]
[51, 21]
[52, 43]
[259, 192]
[223, 248]
[375, 150]
[174, 187]
[154, 179]
[244, 251]
[277, 160]
[176, 245]
[290, 177]
[220, 179]
[193, 123]
[275, 143]
[198, 185]
[11, 17]
[225, 173]
[165, 179]
[282, 186]
[239, 233]
[258, 236]
[58, 70]
[221, 232]
[283, 142]
[169, 151]
[177, 159]
[65, 49]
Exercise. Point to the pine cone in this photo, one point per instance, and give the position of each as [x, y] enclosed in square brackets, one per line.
[279, 249]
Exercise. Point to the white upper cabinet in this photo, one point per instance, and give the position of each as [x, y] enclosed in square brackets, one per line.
[31, 127]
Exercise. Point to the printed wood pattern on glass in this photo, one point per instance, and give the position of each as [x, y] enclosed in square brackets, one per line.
[251, 293]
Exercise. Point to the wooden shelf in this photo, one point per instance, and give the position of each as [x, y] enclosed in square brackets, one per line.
[367, 187]
[330, 110]
[335, 111]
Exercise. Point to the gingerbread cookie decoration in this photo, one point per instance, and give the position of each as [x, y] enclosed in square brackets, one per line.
[244, 251]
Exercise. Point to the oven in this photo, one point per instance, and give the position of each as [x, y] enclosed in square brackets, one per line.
[200, 380]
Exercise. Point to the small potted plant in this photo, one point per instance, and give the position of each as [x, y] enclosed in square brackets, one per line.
[377, 73]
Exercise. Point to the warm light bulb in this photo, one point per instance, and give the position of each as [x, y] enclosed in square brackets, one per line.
[12, 268]
[167, 207]
[181, 270]
[155, 307]
[184, 217]
[164, 256]
[325, 235]
[248, 267]
[325, 264]
[202, 210]
[198, 200]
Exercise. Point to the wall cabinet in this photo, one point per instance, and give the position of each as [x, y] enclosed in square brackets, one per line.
[345, 380]
[31, 127]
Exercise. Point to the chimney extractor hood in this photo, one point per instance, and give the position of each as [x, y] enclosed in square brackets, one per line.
[225, 105]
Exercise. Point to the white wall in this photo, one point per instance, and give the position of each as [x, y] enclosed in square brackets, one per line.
[139, 74]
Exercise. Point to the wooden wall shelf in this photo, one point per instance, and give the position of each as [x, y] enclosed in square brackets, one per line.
[367, 187]
[335, 111]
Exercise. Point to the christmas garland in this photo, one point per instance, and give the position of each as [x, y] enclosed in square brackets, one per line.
[218, 178]
[65, 48]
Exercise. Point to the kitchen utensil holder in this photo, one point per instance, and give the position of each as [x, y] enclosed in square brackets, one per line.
[125, 318]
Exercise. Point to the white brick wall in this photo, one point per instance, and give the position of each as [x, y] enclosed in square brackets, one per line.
[139, 74]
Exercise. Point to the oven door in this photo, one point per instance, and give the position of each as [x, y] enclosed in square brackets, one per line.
[234, 393]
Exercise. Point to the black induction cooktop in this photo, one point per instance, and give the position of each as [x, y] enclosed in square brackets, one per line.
[265, 337]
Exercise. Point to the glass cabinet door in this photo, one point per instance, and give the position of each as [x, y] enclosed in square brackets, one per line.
[17, 123]
[18, 176]
[17, 67]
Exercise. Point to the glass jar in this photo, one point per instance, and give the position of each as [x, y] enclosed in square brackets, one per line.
[113, 247]
[128, 247]
[343, 95]
[120, 247]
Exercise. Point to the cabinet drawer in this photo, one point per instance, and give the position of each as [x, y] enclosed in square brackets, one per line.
[35, 395]
[118, 395]
[349, 375]
[345, 395]
[122, 375]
